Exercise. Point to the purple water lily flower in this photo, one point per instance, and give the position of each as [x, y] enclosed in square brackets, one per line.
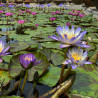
[69, 37]
[60, 4]
[76, 58]
[48, 5]
[3, 50]
[26, 59]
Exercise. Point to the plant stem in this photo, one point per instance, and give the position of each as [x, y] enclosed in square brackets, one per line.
[19, 83]
[24, 82]
[67, 73]
[61, 75]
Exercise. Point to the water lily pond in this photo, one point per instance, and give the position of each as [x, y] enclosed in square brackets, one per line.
[47, 52]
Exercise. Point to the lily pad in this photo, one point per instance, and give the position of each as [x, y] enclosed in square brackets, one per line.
[51, 77]
[51, 45]
[15, 47]
[15, 67]
[4, 77]
[86, 83]
[57, 57]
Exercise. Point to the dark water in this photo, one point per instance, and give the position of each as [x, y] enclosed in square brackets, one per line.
[42, 89]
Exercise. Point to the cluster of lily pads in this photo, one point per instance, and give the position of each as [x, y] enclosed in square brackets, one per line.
[40, 39]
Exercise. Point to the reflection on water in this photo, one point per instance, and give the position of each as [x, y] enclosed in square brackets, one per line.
[8, 29]
[8, 41]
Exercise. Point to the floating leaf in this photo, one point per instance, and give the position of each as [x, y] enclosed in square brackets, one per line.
[51, 45]
[7, 58]
[86, 82]
[51, 77]
[57, 58]
[15, 67]
[4, 78]
[15, 47]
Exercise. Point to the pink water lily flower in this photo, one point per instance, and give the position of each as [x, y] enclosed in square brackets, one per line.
[3, 50]
[28, 11]
[68, 24]
[23, 12]
[73, 10]
[36, 24]
[19, 13]
[57, 12]
[52, 18]
[34, 13]
[70, 13]
[81, 15]
[1, 11]
[78, 12]
[76, 58]
[26, 59]
[8, 14]
[69, 37]
[21, 21]
[53, 13]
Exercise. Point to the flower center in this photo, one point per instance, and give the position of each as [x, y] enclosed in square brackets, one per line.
[0, 49]
[29, 59]
[69, 36]
[76, 56]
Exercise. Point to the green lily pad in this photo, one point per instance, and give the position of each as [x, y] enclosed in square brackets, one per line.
[86, 82]
[52, 45]
[57, 57]
[15, 67]
[7, 58]
[4, 77]
[51, 77]
[15, 47]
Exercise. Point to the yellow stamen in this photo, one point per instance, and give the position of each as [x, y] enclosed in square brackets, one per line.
[27, 59]
[76, 56]
[69, 36]
[0, 49]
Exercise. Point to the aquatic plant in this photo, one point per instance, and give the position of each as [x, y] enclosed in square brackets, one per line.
[1, 11]
[21, 22]
[52, 19]
[3, 50]
[76, 58]
[69, 37]
[68, 24]
[26, 59]
[57, 12]
[34, 13]
[81, 15]
[8, 14]
[53, 13]
[36, 24]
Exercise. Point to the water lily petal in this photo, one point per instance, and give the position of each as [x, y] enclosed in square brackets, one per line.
[73, 66]
[6, 49]
[88, 62]
[64, 45]
[77, 31]
[53, 37]
[82, 45]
